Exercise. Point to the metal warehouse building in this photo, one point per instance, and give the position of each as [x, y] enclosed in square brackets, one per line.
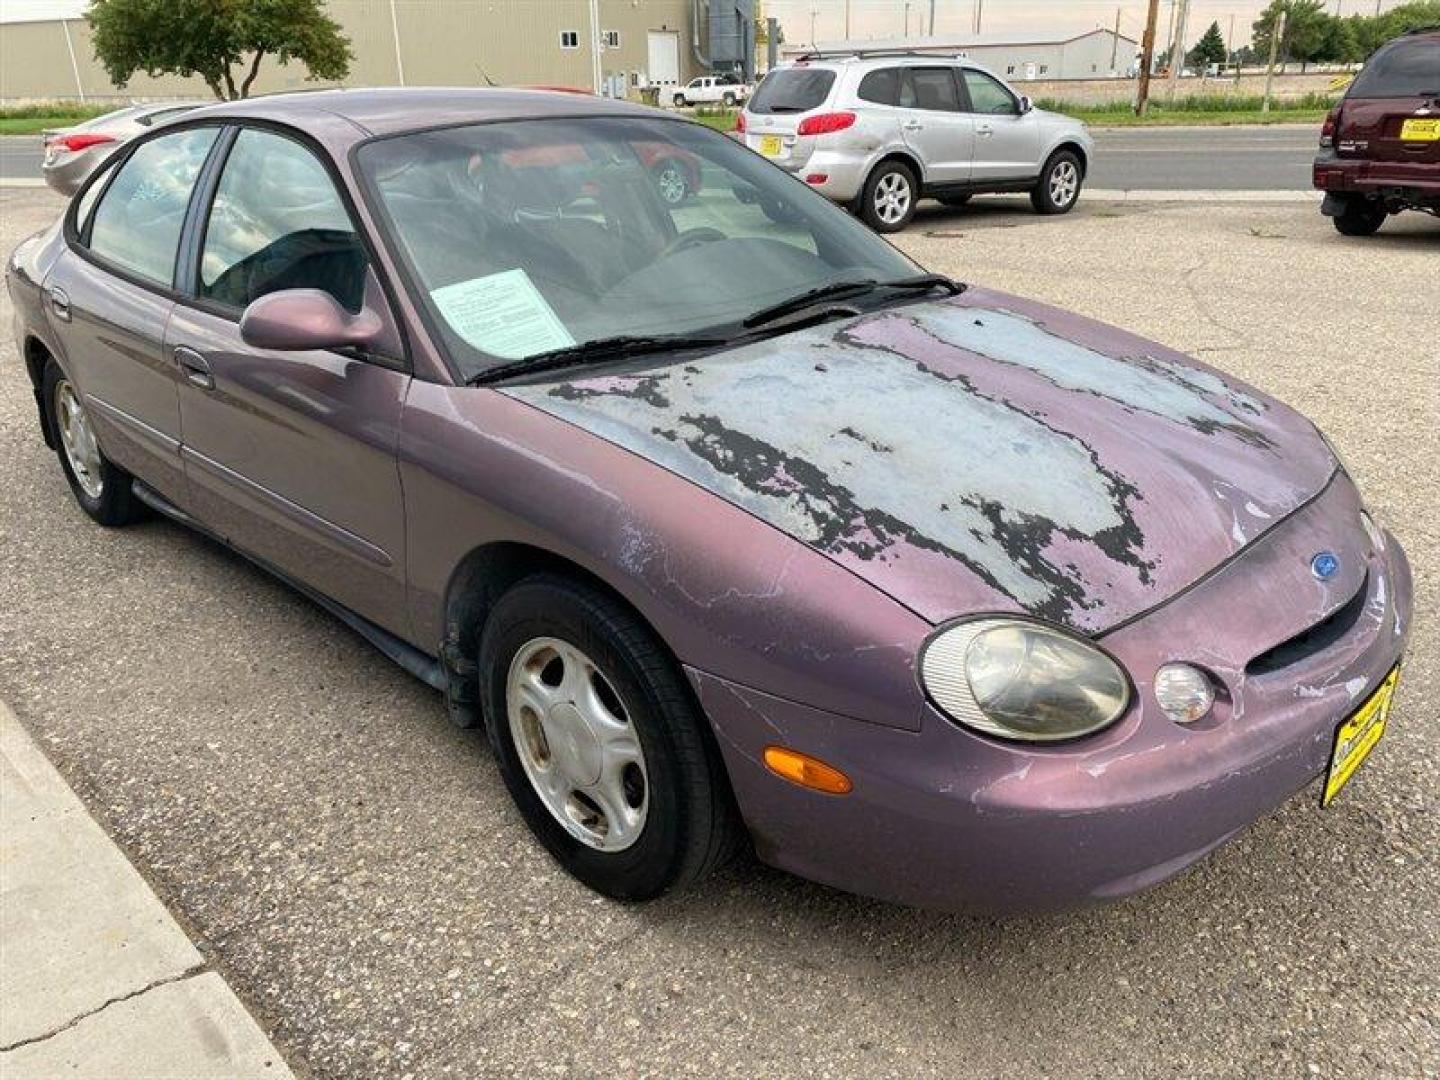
[417, 42]
[1092, 55]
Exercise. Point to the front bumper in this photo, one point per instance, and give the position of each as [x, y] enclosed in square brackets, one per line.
[948, 819]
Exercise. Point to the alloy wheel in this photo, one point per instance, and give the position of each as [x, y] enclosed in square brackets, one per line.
[892, 198]
[671, 182]
[82, 452]
[1064, 183]
[576, 744]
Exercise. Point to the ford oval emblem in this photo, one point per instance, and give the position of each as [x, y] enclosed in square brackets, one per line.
[1325, 565]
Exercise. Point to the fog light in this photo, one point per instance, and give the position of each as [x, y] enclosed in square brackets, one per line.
[1377, 538]
[1183, 692]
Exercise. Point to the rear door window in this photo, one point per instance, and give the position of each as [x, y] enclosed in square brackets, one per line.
[930, 88]
[793, 90]
[1404, 69]
[880, 87]
[137, 224]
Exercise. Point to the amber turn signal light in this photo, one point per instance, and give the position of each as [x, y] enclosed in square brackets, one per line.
[806, 771]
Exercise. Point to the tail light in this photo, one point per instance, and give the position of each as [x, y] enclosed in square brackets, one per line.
[1328, 129]
[739, 127]
[825, 123]
[82, 140]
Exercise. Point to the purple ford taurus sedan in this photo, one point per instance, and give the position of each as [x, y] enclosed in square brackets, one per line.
[721, 517]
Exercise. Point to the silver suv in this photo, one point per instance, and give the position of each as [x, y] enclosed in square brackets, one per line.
[879, 131]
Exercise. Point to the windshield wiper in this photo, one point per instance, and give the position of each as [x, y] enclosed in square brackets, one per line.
[838, 290]
[601, 350]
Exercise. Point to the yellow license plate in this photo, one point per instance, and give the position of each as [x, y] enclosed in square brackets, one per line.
[1357, 736]
[770, 145]
[1420, 131]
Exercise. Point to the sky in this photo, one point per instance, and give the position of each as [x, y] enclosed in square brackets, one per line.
[886, 18]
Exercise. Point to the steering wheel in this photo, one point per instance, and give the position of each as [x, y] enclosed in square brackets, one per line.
[689, 238]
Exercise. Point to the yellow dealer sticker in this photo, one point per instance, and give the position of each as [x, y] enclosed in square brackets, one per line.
[1357, 736]
[1420, 131]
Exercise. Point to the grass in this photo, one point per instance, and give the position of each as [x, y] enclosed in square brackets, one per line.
[1206, 109]
[33, 119]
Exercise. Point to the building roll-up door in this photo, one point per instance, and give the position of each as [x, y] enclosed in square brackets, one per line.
[664, 57]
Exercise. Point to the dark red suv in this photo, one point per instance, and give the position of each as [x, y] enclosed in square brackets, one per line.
[1380, 147]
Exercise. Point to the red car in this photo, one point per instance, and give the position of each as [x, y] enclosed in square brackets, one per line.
[1380, 147]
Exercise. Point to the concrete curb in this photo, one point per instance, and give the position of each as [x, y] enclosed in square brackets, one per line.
[98, 979]
[1213, 196]
[21, 182]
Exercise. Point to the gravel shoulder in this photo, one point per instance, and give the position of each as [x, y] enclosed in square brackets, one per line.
[352, 865]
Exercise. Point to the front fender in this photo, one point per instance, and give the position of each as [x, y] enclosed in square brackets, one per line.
[729, 594]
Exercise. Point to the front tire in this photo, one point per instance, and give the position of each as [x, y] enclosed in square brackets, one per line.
[1361, 217]
[887, 202]
[102, 488]
[600, 743]
[728, 101]
[679, 100]
[1059, 185]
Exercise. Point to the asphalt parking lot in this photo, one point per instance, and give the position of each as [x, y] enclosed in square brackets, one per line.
[352, 865]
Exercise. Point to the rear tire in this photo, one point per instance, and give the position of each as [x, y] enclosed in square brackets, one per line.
[679, 100]
[102, 488]
[887, 201]
[1058, 188]
[1361, 217]
[728, 101]
[678, 821]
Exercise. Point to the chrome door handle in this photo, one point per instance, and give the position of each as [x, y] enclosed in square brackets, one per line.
[60, 304]
[196, 367]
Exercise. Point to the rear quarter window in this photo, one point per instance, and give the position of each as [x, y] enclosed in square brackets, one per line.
[880, 87]
[793, 90]
[1402, 69]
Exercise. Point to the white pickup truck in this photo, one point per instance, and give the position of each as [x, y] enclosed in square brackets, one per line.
[713, 89]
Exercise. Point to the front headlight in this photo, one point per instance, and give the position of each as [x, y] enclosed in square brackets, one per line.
[1022, 680]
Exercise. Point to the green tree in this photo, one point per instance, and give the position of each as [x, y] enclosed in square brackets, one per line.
[218, 40]
[1340, 45]
[1305, 29]
[1210, 49]
[1372, 31]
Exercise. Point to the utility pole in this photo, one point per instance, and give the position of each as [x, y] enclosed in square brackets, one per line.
[812, 27]
[932, 18]
[1115, 43]
[1234, 52]
[1177, 50]
[596, 71]
[1276, 33]
[1147, 58]
[847, 20]
[979, 15]
[906, 36]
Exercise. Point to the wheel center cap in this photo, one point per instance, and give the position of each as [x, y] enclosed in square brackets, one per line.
[573, 744]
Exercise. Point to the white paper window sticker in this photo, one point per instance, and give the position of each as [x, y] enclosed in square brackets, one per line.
[502, 314]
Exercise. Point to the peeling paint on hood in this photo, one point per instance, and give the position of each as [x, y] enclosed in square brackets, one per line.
[981, 453]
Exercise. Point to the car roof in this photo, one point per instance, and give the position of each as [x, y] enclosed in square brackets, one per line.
[388, 110]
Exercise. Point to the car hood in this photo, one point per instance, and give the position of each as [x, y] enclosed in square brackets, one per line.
[984, 453]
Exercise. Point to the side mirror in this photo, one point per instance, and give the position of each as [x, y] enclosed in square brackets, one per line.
[293, 320]
[1026, 105]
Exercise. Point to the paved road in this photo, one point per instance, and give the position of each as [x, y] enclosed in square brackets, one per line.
[1205, 159]
[352, 865]
[1153, 159]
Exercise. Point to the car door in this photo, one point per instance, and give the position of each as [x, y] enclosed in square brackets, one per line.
[1007, 141]
[290, 455]
[933, 126]
[111, 294]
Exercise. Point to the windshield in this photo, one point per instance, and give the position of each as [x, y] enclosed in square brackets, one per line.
[524, 237]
